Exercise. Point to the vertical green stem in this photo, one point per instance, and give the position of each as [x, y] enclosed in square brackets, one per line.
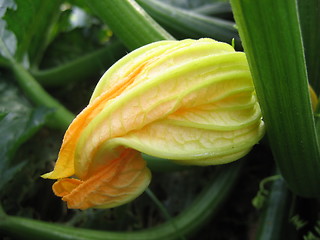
[165, 213]
[271, 36]
[275, 213]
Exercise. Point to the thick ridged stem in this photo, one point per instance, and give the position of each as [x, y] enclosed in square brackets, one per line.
[271, 37]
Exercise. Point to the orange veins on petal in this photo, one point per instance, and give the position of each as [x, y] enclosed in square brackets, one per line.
[117, 183]
[65, 166]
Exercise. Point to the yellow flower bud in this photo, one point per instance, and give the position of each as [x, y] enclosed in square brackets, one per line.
[192, 101]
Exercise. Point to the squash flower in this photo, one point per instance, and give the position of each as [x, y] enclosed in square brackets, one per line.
[192, 101]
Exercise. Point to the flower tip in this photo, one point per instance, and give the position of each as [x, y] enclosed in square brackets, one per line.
[47, 175]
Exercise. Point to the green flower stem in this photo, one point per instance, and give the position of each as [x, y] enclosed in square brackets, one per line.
[208, 202]
[61, 117]
[82, 67]
[188, 24]
[309, 15]
[271, 36]
[275, 213]
[130, 23]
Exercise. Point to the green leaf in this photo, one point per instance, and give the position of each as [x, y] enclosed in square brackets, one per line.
[70, 46]
[62, 117]
[8, 38]
[32, 89]
[19, 122]
[82, 68]
[8, 42]
[10, 100]
[31, 22]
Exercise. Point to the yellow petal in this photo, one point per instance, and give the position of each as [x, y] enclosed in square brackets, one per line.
[192, 101]
[65, 164]
[117, 183]
[64, 186]
[159, 96]
[192, 145]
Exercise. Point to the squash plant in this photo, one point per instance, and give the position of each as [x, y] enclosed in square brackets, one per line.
[52, 56]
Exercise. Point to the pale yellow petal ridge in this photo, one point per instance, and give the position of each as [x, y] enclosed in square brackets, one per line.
[192, 145]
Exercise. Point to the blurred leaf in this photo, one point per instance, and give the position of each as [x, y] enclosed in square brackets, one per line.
[5, 4]
[11, 99]
[8, 41]
[77, 33]
[72, 17]
[30, 21]
[18, 123]
[79, 18]
[71, 45]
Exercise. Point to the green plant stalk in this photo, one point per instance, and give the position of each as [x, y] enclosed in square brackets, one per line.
[129, 22]
[271, 36]
[80, 68]
[188, 24]
[164, 213]
[61, 117]
[208, 202]
[275, 213]
[309, 16]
